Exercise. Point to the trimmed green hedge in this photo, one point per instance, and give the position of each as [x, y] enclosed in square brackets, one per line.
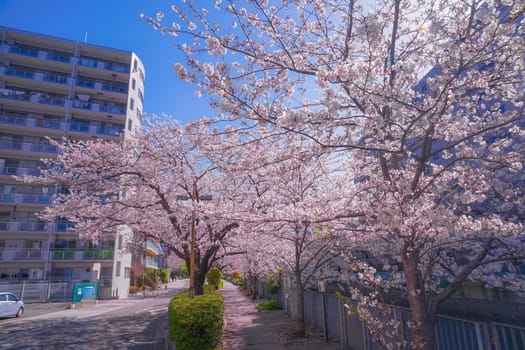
[196, 323]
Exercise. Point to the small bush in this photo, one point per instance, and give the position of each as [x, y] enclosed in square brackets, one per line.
[274, 282]
[269, 305]
[184, 270]
[208, 289]
[133, 289]
[239, 281]
[214, 276]
[164, 276]
[196, 323]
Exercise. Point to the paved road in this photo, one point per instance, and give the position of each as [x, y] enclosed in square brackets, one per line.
[138, 324]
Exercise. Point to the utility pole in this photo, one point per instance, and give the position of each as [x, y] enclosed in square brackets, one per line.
[194, 197]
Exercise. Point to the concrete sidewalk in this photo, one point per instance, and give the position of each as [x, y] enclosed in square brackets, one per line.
[248, 329]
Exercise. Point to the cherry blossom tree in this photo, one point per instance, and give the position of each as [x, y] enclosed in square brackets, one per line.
[424, 97]
[256, 260]
[152, 184]
[292, 209]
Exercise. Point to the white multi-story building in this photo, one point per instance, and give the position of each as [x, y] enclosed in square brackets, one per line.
[52, 87]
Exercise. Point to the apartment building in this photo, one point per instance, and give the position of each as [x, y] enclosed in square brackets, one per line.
[52, 87]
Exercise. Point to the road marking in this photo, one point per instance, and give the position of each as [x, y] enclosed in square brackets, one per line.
[158, 311]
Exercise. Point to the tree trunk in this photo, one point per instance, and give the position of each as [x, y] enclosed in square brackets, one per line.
[423, 323]
[200, 279]
[253, 287]
[298, 298]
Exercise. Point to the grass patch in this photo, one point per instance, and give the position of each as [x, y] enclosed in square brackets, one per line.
[269, 305]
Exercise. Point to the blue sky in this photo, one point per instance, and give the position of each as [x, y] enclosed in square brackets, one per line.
[116, 23]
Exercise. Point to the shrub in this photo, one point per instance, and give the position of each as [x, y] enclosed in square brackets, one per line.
[274, 282]
[196, 323]
[269, 305]
[164, 276]
[236, 278]
[147, 279]
[133, 289]
[208, 289]
[214, 276]
[184, 269]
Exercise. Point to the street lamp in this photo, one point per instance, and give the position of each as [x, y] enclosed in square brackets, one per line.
[194, 199]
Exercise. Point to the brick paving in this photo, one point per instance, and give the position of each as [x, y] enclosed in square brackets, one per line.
[248, 329]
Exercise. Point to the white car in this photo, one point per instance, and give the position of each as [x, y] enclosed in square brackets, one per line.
[10, 305]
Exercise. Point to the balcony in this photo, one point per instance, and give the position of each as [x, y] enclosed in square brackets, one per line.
[101, 86]
[36, 199]
[43, 148]
[152, 248]
[32, 75]
[112, 67]
[11, 119]
[62, 254]
[25, 226]
[35, 226]
[18, 120]
[52, 78]
[115, 88]
[23, 51]
[85, 84]
[79, 127]
[109, 131]
[15, 95]
[21, 255]
[98, 254]
[151, 263]
[53, 56]
[52, 100]
[28, 147]
[17, 73]
[99, 107]
[19, 198]
[86, 62]
[34, 97]
[40, 54]
[64, 226]
[94, 130]
[81, 254]
[16, 171]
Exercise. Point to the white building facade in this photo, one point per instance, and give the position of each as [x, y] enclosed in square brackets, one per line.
[52, 87]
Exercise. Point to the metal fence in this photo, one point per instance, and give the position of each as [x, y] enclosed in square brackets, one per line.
[451, 333]
[40, 291]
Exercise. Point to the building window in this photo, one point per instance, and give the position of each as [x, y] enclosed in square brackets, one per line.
[117, 272]
[119, 242]
[133, 83]
[127, 272]
[130, 124]
[135, 65]
[131, 104]
[139, 114]
[141, 96]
